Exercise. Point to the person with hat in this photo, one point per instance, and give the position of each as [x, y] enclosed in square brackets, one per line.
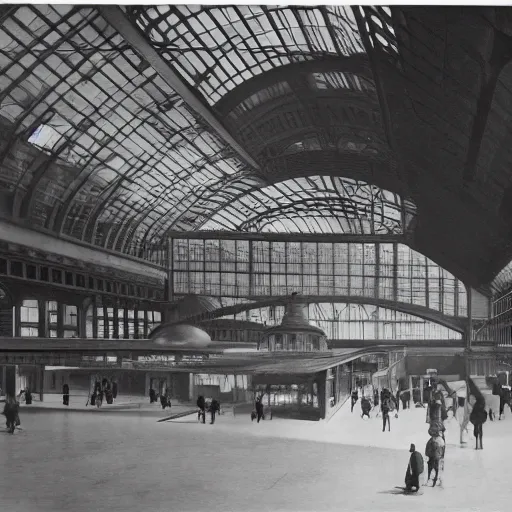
[414, 470]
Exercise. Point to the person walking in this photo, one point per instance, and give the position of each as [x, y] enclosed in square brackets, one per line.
[65, 394]
[214, 408]
[414, 470]
[366, 407]
[434, 450]
[11, 413]
[201, 408]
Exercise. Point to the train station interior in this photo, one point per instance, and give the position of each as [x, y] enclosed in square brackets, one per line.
[269, 209]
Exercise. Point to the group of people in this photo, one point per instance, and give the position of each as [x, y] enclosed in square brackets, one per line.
[387, 401]
[165, 398]
[26, 395]
[104, 390]
[434, 451]
[212, 406]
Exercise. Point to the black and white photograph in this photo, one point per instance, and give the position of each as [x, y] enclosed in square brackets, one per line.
[255, 257]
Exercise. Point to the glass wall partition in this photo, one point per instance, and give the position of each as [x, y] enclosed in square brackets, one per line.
[257, 268]
[355, 321]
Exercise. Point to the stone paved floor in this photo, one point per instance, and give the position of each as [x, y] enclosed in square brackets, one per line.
[74, 461]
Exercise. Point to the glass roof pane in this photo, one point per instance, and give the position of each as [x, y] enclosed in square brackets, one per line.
[104, 119]
[315, 204]
[223, 44]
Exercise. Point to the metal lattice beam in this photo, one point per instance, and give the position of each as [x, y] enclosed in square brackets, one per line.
[115, 16]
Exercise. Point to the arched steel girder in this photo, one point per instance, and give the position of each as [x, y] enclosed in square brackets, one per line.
[458, 324]
[46, 53]
[356, 64]
[118, 20]
[501, 55]
[347, 123]
[362, 100]
[364, 170]
[331, 201]
[230, 181]
[312, 163]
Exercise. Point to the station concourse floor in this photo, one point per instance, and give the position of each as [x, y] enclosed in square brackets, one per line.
[126, 461]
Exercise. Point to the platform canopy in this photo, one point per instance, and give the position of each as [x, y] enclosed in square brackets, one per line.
[120, 124]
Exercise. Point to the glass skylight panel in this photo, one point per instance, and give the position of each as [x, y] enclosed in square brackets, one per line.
[214, 47]
[356, 208]
[118, 123]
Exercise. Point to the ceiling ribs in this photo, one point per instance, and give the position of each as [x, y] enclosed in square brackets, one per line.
[116, 17]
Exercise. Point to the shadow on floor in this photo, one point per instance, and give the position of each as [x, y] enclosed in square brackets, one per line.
[400, 490]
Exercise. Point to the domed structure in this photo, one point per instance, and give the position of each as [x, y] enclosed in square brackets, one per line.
[295, 334]
[180, 335]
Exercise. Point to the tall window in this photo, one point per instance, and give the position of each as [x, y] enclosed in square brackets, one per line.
[131, 325]
[29, 314]
[140, 324]
[89, 322]
[101, 322]
[120, 323]
[52, 311]
[70, 321]
[110, 331]
[154, 319]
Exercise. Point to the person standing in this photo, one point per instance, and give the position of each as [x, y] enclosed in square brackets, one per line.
[214, 407]
[259, 408]
[414, 470]
[385, 408]
[114, 390]
[165, 399]
[478, 417]
[65, 394]
[353, 399]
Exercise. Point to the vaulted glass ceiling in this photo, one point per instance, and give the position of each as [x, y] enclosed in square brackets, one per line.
[95, 142]
[317, 204]
[218, 48]
[96, 145]
[503, 281]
